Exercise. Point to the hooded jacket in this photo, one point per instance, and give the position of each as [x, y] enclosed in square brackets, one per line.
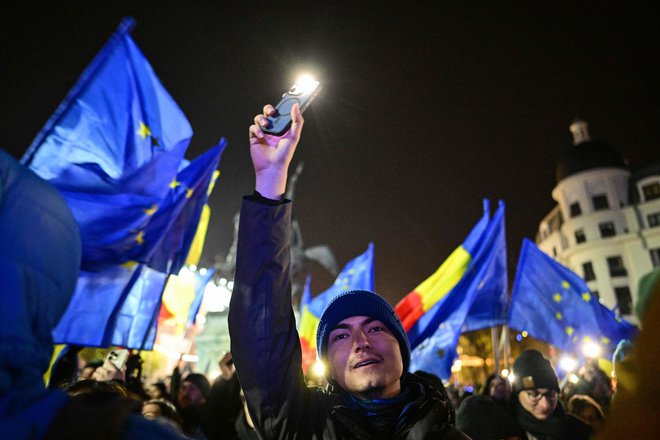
[39, 260]
[267, 354]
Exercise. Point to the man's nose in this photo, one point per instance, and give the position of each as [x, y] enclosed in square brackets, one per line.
[361, 340]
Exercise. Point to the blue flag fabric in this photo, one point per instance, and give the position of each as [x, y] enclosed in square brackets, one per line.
[477, 301]
[112, 148]
[554, 304]
[200, 287]
[169, 232]
[358, 274]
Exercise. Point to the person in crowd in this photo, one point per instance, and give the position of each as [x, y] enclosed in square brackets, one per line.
[535, 404]
[593, 382]
[224, 403]
[158, 390]
[633, 413]
[162, 410]
[482, 418]
[88, 369]
[586, 409]
[191, 400]
[371, 394]
[39, 261]
[497, 388]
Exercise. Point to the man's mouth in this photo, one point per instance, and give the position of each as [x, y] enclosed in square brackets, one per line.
[365, 363]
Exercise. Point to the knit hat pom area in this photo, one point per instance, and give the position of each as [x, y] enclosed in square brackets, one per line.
[531, 370]
[361, 303]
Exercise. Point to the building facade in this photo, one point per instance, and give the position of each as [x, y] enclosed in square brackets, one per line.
[606, 225]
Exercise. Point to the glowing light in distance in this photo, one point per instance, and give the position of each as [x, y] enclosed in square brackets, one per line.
[572, 378]
[591, 349]
[511, 377]
[504, 373]
[567, 363]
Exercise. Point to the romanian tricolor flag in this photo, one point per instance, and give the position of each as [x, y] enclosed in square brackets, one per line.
[357, 274]
[307, 328]
[412, 308]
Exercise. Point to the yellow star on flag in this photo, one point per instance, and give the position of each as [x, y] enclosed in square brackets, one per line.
[559, 316]
[189, 193]
[152, 210]
[565, 285]
[570, 330]
[557, 297]
[604, 340]
[140, 237]
[586, 296]
[174, 183]
[129, 264]
[144, 130]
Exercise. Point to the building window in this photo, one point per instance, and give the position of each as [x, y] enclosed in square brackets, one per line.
[617, 269]
[655, 257]
[554, 251]
[600, 202]
[579, 236]
[575, 209]
[623, 300]
[653, 219]
[588, 271]
[607, 229]
[651, 191]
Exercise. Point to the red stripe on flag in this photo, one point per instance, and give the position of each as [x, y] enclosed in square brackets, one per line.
[409, 309]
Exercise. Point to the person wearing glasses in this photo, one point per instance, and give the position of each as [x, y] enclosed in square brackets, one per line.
[535, 404]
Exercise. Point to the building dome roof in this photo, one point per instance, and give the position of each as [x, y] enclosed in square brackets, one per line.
[586, 154]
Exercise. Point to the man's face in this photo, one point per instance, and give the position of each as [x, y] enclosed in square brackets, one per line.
[365, 359]
[189, 394]
[539, 402]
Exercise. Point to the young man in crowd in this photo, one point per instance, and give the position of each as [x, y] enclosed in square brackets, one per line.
[360, 338]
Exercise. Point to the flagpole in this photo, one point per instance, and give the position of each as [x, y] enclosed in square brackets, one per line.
[507, 346]
[496, 351]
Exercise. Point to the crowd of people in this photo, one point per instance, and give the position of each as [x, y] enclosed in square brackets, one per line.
[261, 391]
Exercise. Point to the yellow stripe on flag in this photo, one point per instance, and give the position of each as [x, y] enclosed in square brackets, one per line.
[434, 288]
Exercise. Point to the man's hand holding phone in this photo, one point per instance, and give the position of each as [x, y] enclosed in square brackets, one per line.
[271, 154]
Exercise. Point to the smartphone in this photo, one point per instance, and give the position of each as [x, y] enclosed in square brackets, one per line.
[118, 357]
[302, 93]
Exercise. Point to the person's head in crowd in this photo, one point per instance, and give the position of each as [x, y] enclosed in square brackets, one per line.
[156, 409]
[88, 369]
[362, 340]
[94, 386]
[157, 390]
[535, 384]
[194, 390]
[481, 418]
[497, 387]
[586, 409]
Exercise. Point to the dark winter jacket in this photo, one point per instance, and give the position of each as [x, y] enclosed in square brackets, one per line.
[267, 354]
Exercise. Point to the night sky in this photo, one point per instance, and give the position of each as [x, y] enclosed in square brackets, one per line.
[423, 112]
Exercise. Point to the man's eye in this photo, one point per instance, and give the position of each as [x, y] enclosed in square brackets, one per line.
[339, 337]
[376, 329]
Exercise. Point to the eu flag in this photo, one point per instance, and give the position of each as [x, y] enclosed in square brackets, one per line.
[358, 274]
[554, 304]
[477, 301]
[112, 148]
[172, 224]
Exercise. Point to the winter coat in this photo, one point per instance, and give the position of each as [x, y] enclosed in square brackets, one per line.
[40, 253]
[267, 354]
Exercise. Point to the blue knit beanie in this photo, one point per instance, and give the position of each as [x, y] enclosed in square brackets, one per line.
[361, 303]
